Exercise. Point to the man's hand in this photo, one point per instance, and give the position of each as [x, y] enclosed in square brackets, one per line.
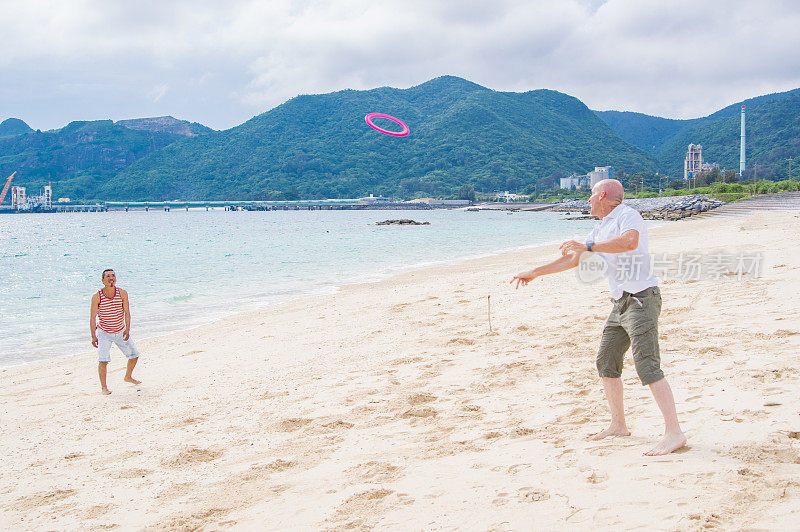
[126, 334]
[94, 340]
[572, 246]
[523, 278]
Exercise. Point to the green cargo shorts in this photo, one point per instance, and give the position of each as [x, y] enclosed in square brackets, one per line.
[633, 323]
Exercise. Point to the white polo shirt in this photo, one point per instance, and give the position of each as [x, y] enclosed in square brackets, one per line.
[628, 271]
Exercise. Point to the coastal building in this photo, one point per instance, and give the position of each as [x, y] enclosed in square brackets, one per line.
[599, 173]
[440, 202]
[47, 196]
[693, 162]
[506, 196]
[574, 181]
[17, 197]
[20, 201]
[372, 200]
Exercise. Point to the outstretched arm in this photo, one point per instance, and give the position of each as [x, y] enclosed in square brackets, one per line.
[563, 263]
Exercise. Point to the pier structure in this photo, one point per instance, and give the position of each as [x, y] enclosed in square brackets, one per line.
[244, 205]
[250, 205]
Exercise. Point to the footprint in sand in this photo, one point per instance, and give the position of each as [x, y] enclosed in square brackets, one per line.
[292, 424]
[43, 498]
[778, 451]
[338, 425]
[355, 510]
[461, 341]
[178, 490]
[418, 413]
[520, 432]
[709, 520]
[260, 471]
[98, 511]
[471, 408]
[130, 473]
[407, 360]
[421, 398]
[597, 477]
[376, 471]
[529, 494]
[188, 421]
[202, 519]
[190, 456]
[516, 468]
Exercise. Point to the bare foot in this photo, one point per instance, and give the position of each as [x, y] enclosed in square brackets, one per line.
[611, 431]
[132, 380]
[106, 391]
[670, 443]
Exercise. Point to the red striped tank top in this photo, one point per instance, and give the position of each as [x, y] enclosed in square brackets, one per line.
[110, 317]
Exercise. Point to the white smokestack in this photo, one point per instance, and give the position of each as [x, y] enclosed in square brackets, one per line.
[741, 148]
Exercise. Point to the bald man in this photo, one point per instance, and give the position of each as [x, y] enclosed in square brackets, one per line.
[620, 239]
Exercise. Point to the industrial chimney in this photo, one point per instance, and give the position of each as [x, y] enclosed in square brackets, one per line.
[741, 148]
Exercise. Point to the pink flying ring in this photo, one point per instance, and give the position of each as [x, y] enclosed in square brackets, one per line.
[403, 133]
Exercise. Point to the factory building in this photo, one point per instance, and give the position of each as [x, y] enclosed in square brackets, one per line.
[599, 173]
[693, 162]
[20, 201]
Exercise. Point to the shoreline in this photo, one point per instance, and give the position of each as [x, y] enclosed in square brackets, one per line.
[321, 291]
[390, 404]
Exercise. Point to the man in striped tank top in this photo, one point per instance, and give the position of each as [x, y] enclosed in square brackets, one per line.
[110, 322]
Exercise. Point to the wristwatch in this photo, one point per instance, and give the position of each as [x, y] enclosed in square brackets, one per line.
[589, 246]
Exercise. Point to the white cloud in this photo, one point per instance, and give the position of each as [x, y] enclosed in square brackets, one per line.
[158, 92]
[221, 62]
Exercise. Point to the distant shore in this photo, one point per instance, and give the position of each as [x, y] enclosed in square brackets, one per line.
[659, 208]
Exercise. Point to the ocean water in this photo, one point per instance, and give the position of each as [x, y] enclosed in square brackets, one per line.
[182, 269]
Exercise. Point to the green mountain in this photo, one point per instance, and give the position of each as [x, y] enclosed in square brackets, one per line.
[13, 126]
[319, 146]
[773, 135]
[643, 131]
[80, 157]
[316, 146]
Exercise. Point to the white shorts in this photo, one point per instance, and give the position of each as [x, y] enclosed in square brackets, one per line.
[104, 341]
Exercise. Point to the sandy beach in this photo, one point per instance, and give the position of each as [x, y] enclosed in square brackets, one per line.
[392, 405]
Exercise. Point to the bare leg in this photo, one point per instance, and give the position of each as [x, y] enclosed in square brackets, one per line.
[674, 438]
[613, 389]
[102, 368]
[129, 370]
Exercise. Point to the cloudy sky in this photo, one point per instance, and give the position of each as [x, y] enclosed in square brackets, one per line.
[220, 63]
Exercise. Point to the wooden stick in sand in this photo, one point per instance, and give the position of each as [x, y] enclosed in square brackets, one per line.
[489, 304]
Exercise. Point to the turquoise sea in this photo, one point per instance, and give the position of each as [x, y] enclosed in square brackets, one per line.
[182, 269]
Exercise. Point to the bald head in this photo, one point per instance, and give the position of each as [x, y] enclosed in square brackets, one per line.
[613, 189]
